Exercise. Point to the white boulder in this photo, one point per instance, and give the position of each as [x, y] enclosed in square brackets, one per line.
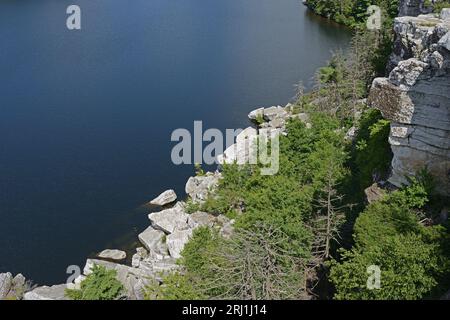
[199, 187]
[274, 112]
[164, 198]
[112, 254]
[154, 241]
[56, 292]
[170, 219]
[5, 284]
[244, 151]
[255, 114]
[140, 255]
[177, 240]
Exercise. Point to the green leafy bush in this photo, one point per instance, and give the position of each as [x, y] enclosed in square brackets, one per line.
[438, 5]
[373, 153]
[176, 286]
[410, 269]
[191, 206]
[284, 203]
[101, 284]
[412, 257]
[285, 200]
[195, 252]
[259, 119]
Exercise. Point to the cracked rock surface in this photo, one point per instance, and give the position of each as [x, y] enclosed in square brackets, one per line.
[415, 97]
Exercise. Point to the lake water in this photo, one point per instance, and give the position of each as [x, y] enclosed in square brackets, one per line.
[86, 116]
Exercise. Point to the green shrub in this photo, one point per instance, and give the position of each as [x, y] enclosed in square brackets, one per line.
[412, 257]
[373, 153]
[191, 206]
[196, 250]
[176, 286]
[259, 119]
[199, 170]
[187, 285]
[254, 264]
[438, 5]
[284, 200]
[410, 269]
[101, 284]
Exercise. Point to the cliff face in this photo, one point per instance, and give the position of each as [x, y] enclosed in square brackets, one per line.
[410, 8]
[416, 98]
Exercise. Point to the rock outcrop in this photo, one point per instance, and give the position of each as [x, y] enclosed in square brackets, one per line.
[154, 242]
[243, 150]
[112, 254]
[164, 198]
[177, 240]
[134, 280]
[273, 119]
[12, 288]
[199, 187]
[416, 99]
[172, 228]
[270, 122]
[169, 220]
[445, 14]
[5, 284]
[374, 193]
[56, 292]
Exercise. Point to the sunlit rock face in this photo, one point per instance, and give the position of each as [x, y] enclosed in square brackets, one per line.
[416, 98]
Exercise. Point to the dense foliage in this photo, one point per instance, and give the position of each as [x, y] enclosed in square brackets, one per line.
[351, 12]
[277, 236]
[391, 235]
[289, 225]
[372, 153]
[101, 284]
[309, 221]
[177, 286]
[438, 5]
[254, 264]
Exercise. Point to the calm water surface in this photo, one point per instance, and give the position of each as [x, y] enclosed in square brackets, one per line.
[86, 116]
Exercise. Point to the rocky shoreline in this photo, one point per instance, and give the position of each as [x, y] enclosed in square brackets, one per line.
[415, 97]
[169, 229]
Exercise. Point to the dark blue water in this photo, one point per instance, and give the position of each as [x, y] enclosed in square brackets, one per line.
[86, 116]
